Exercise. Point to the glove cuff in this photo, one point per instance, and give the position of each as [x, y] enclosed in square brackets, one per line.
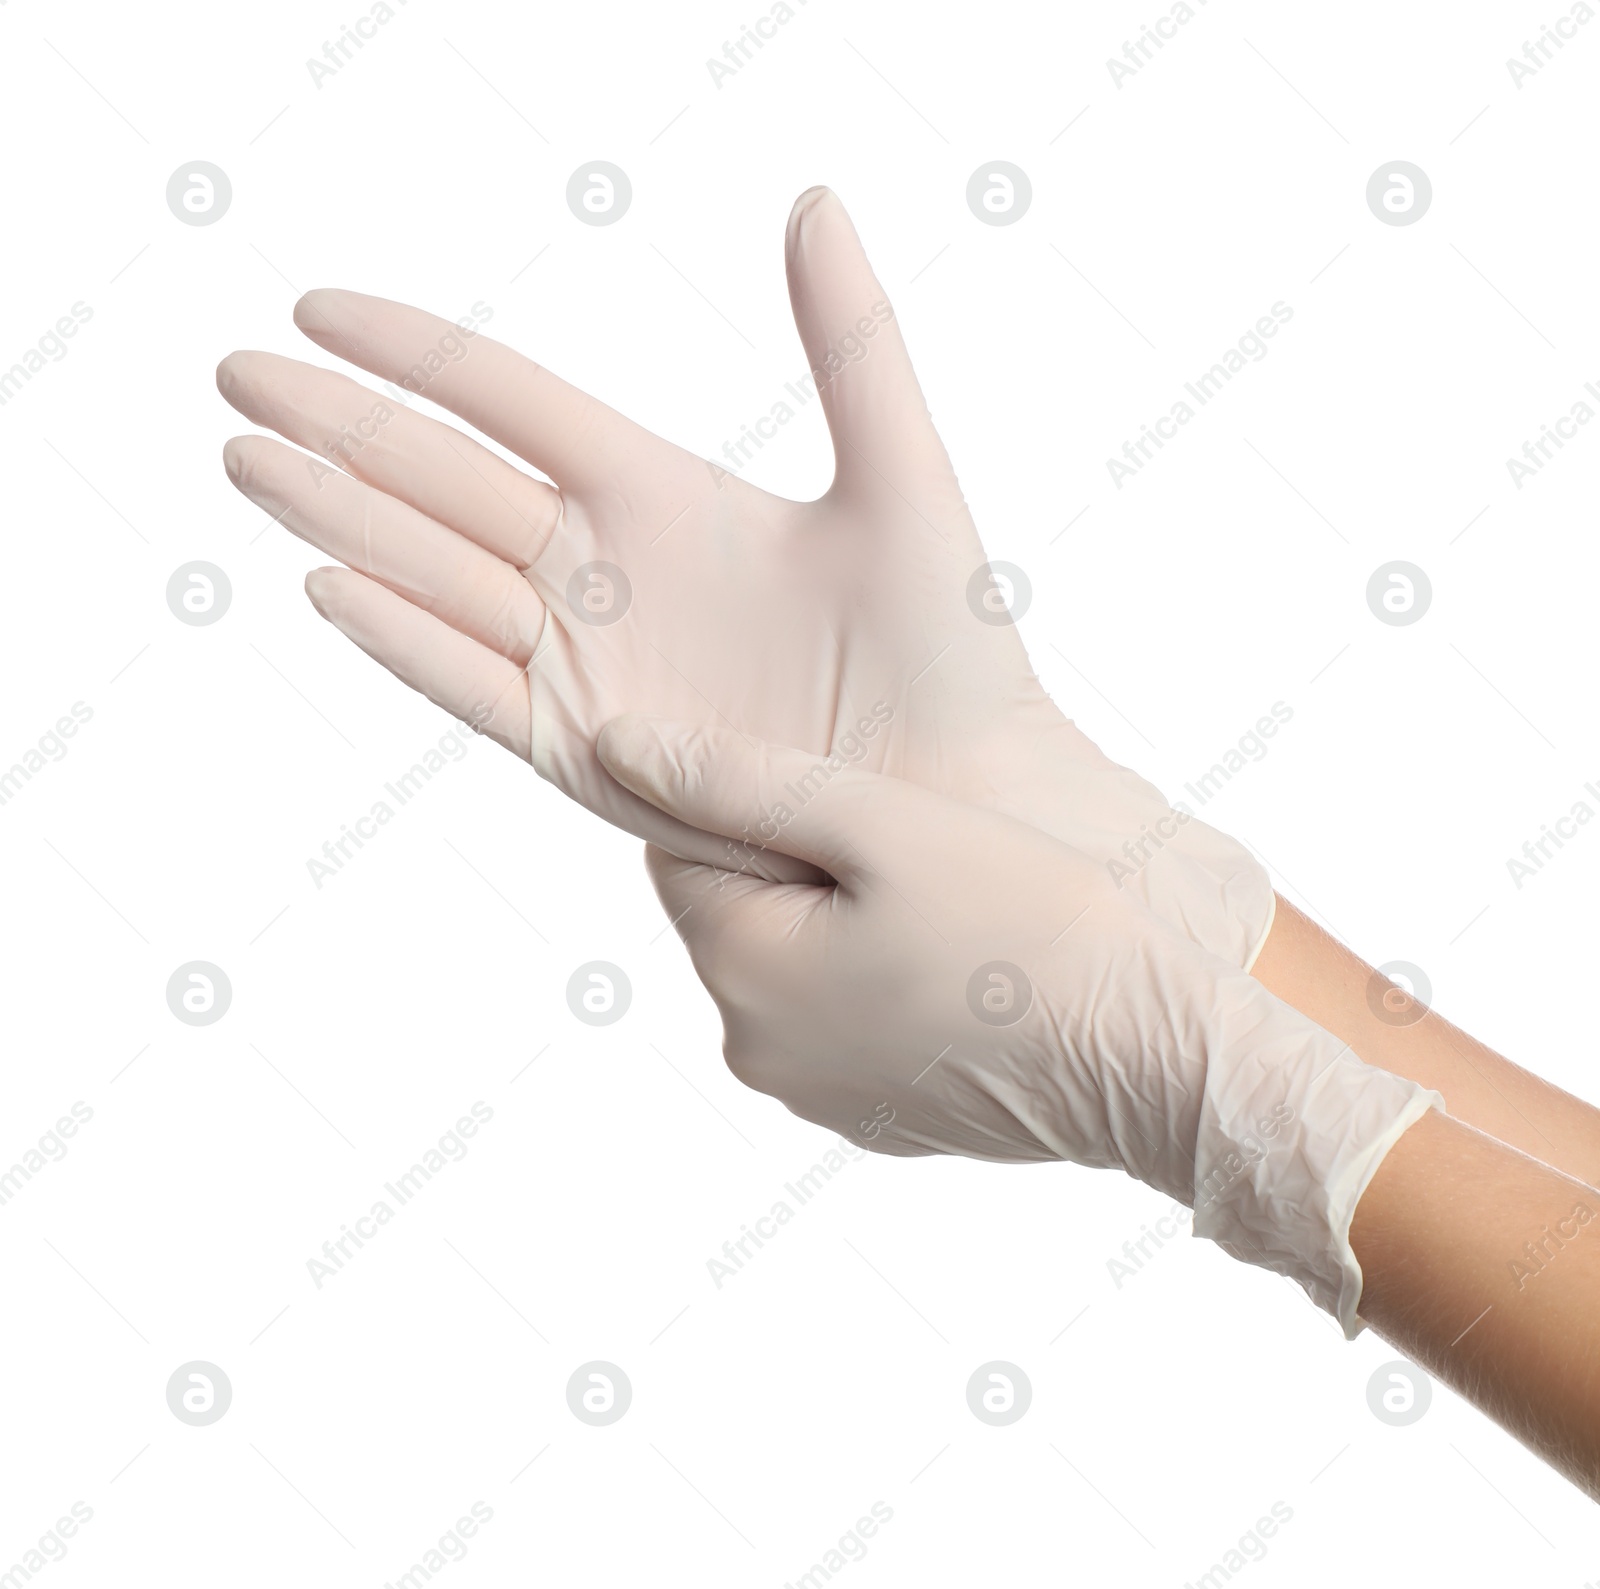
[1293, 1127]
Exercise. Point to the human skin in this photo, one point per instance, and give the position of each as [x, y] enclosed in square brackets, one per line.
[1461, 1199]
[1483, 1265]
[1324, 980]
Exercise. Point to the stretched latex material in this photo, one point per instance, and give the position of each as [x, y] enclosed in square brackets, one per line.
[972, 985]
[844, 624]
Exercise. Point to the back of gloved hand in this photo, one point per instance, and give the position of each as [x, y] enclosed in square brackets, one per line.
[867, 621]
[972, 985]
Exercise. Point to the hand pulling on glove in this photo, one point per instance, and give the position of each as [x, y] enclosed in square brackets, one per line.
[985, 989]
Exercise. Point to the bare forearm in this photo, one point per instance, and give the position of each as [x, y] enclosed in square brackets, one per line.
[1483, 1265]
[1322, 979]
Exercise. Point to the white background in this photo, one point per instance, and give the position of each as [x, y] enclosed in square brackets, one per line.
[1169, 1414]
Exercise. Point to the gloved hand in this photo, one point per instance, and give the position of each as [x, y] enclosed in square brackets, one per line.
[865, 623]
[974, 986]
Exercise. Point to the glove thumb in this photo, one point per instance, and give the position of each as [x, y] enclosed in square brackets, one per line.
[877, 415]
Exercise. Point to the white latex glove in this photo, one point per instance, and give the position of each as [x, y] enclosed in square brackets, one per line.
[843, 624]
[972, 985]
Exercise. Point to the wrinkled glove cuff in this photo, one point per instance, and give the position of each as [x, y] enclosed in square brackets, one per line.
[1292, 1129]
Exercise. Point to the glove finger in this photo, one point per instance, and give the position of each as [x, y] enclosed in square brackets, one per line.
[469, 680]
[439, 470]
[435, 569]
[560, 430]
